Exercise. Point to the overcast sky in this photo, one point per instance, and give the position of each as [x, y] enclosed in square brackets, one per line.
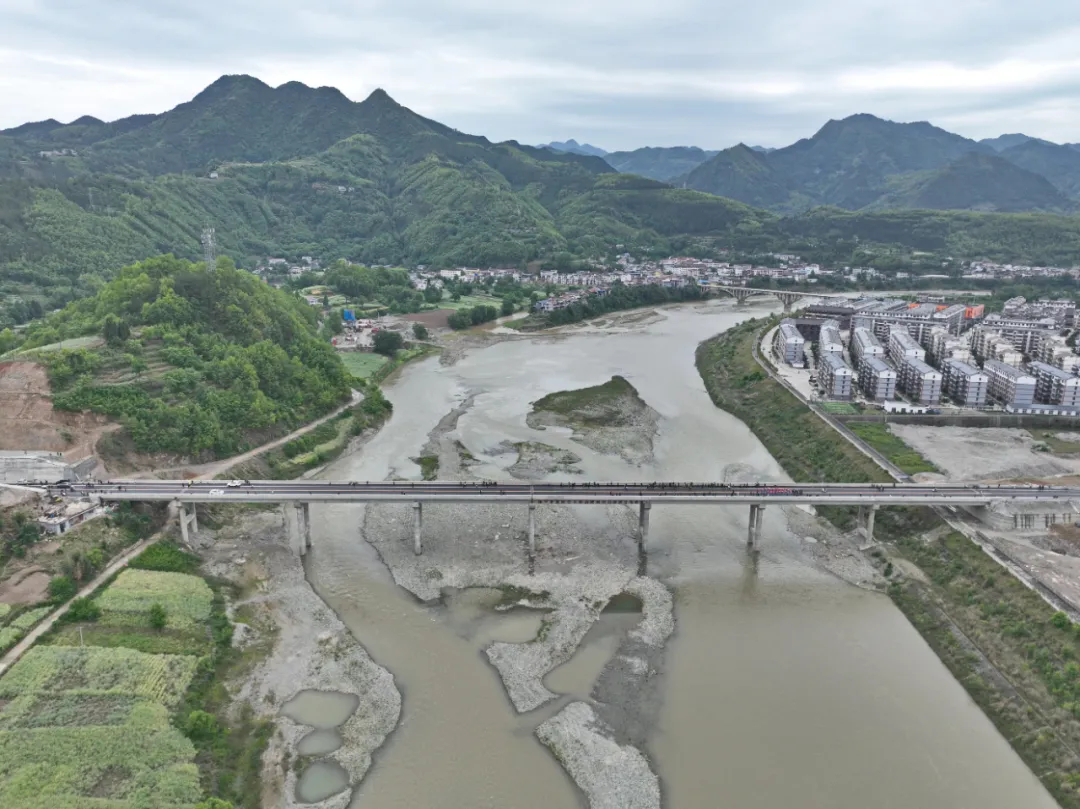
[616, 73]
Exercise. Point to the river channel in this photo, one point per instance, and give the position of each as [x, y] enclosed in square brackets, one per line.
[783, 687]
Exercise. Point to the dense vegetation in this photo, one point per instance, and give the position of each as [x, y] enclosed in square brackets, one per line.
[302, 171]
[864, 162]
[658, 163]
[619, 297]
[1013, 653]
[218, 359]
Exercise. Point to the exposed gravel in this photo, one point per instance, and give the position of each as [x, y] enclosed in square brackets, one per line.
[537, 461]
[313, 650]
[982, 453]
[613, 776]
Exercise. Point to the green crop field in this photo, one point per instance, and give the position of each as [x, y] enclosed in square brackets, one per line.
[89, 727]
[362, 364]
[839, 408]
[186, 599]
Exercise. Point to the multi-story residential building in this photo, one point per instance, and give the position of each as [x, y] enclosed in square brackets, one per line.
[789, 345]
[864, 345]
[1009, 385]
[834, 377]
[1055, 386]
[829, 341]
[964, 383]
[1024, 333]
[902, 347]
[919, 319]
[920, 382]
[876, 378]
[1062, 311]
[942, 345]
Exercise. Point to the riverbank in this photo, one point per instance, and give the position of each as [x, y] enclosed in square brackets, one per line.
[1005, 645]
[297, 644]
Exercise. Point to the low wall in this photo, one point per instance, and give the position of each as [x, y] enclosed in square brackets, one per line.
[969, 420]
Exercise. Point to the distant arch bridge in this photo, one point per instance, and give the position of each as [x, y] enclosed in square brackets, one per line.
[788, 297]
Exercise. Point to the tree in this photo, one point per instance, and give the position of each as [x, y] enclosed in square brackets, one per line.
[387, 342]
[214, 803]
[83, 609]
[157, 617]
[508, 306]
[419, 331]
[61, 589]
[432, 294]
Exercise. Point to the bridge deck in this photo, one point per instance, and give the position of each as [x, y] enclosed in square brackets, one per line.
[490, 492]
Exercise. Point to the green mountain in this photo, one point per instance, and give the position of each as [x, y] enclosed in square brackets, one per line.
[302, 171]
[864, 162]
[744, 174]
[976, 182]
[1058, 164]
[659, 163]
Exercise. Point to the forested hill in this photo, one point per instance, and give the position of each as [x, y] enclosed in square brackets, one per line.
[193, 362]
[294, 170]
[302, 171]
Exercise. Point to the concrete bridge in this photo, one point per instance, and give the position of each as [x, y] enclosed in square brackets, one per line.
[299, 493]
[787, 297]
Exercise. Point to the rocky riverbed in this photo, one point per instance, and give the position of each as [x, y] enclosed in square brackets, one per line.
[310, 649]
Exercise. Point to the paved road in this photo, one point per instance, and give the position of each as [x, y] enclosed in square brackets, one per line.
[491, 491]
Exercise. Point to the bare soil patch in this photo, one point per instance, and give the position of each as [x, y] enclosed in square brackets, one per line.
[435, 319]
[28, 586]
[29, 422]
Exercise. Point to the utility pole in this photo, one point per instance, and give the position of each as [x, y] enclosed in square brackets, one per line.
[209, 249]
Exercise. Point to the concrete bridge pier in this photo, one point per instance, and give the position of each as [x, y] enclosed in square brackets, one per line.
[741, 294]
[757, 512]
[789, 299]
[189, 521]
[532, 528]
[643, 525]
[418, 523]
[867, 514]
[303, 527]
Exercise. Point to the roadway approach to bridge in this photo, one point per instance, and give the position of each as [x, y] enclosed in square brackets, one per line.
[299, 493]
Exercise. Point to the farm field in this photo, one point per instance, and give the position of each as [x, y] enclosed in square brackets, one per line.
[103, 712]
[361, 364]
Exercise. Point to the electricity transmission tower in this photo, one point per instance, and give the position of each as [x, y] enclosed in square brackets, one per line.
[209, 250]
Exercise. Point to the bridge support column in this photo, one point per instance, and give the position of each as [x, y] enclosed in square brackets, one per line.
[789, 299]
[189, 521]
[303, 528]
[418, 522]
[753, 534]
[643, 525]
[867, 514]
[532, 528]
[741, 295]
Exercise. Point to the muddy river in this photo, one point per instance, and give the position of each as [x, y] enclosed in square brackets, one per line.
[783, 687]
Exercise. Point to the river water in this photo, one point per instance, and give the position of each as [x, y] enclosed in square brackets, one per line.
[783, 687]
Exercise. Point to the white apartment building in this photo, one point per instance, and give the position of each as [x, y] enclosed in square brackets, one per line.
[920, 382]
[789, 345]
[1055, 386]
[876, 378]
[1009, 385]
[902, 347]
[964, 383]
[834, 377]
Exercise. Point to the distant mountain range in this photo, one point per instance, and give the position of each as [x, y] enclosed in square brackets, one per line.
[573, 147]
[296, 170]
[866, 163]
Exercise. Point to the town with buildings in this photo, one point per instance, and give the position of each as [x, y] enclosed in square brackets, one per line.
[918, 356]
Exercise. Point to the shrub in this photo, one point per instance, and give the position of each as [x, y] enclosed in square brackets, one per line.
[167, 557]
[62, 588]
[157, 617]
[419, 331]
[387, 342]
[83, 609]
